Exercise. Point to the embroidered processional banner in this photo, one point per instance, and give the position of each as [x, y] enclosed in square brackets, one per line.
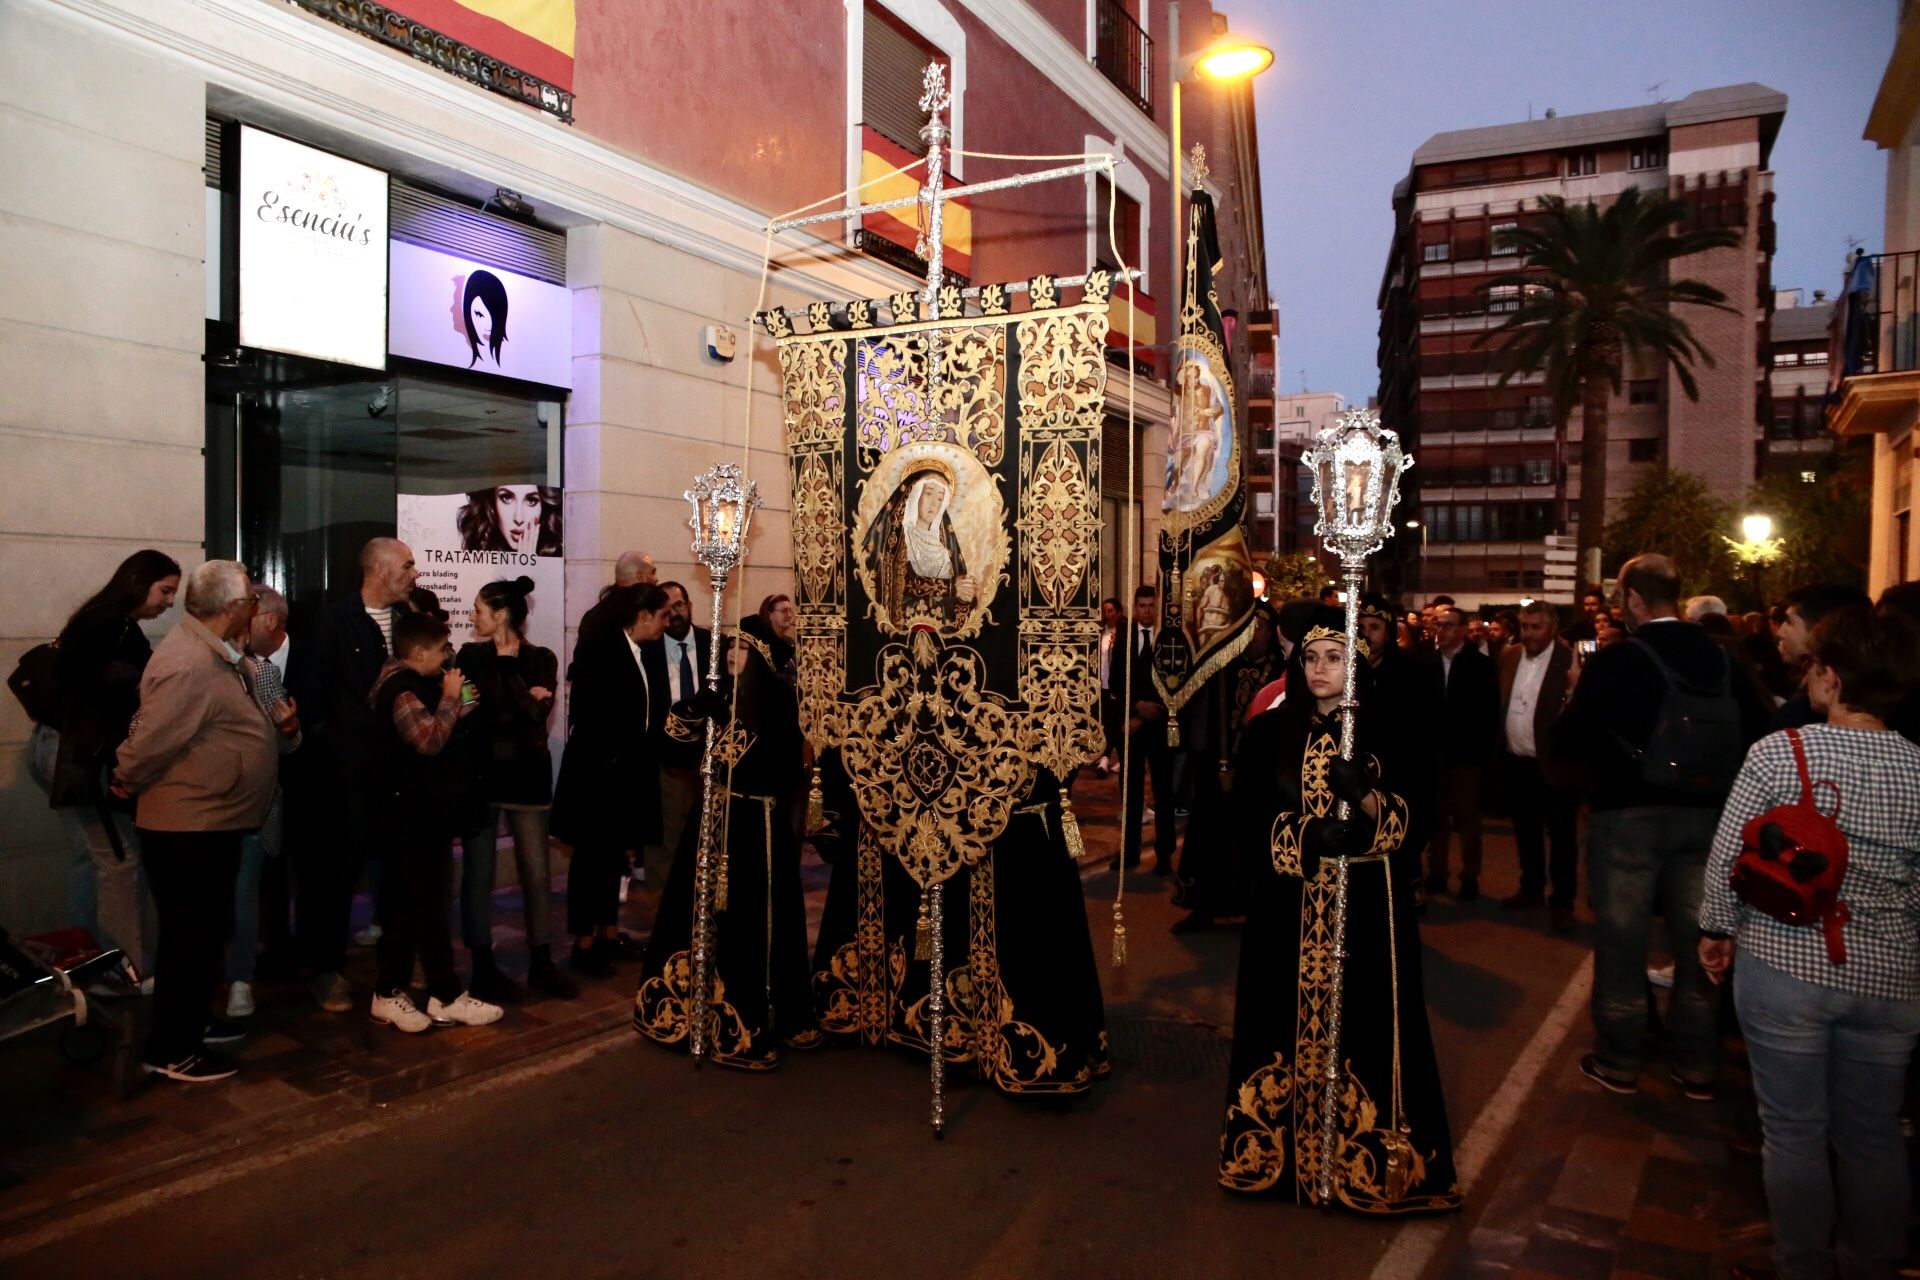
[946, 479]
[1205, 565]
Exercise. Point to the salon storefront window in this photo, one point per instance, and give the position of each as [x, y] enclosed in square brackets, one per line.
[305, 464]
[308, 458]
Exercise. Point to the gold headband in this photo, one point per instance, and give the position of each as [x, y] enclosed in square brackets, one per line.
[1375, 611]
[1330, 633]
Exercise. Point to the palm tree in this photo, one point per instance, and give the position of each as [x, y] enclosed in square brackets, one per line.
[1594, 289]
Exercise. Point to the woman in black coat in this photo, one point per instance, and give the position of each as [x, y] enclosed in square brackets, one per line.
[103, 654]
[607, 800]
[515, 683]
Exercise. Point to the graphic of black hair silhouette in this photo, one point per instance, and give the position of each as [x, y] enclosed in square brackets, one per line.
[485, 286]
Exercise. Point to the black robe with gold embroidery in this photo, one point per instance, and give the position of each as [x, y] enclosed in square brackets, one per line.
[1023, 992]
[761, 994]
[1394, 1154]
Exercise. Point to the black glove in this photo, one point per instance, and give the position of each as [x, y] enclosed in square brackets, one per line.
[1332, 838]
[1350, 781]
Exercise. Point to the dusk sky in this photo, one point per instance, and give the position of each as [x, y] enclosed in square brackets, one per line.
[1358, 85]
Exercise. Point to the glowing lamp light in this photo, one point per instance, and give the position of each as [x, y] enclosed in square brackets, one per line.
[1259, 585]
[1233, 59]
[1757, 528]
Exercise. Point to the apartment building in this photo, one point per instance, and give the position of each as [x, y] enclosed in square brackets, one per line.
[1496, 474]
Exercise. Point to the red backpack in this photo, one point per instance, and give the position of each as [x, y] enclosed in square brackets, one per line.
[1793, 859]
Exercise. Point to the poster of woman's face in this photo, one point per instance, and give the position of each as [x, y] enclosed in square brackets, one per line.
[523, 518]
[483, 303]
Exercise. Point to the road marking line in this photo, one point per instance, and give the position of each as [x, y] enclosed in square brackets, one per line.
[1413, 1250]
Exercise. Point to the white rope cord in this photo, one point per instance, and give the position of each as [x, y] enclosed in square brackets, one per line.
[853, 190]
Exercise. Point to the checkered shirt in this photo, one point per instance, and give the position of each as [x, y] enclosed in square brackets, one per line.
[1878, 774]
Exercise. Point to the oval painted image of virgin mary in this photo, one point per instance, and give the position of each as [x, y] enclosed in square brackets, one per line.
[913, 554]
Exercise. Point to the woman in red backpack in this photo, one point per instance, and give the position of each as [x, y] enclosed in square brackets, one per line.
[1829, 1042]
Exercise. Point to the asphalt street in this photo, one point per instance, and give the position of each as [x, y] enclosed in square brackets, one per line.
[622, 1160]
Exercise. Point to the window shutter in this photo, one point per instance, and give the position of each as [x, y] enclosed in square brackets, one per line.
[891, 82]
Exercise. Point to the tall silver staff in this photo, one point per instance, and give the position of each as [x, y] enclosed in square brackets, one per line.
[722, 509]
[1357, 465]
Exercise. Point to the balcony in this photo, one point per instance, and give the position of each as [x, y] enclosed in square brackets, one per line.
[1875, 360]
[1123, 52]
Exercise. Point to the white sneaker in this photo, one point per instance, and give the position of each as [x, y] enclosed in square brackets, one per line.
[399, 1012]
[465, 1010]
[1660, 975]
[367, 936]
[1146, 817]
[240, 1000]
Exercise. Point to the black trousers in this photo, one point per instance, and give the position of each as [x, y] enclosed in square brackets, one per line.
[416, 914]
[1543, 821]
[1150, 755]
[191, 876]
[1113, 723]
[593, 886]
[329, 828]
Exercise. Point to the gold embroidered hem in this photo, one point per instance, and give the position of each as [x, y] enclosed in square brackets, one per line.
[660, 1009]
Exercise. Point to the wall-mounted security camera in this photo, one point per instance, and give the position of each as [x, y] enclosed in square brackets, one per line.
[720, 342]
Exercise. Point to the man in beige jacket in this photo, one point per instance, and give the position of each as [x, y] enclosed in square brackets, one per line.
[200, 762]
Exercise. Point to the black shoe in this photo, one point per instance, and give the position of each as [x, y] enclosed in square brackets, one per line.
[1691, 1091]
[1193, 922]
[195, 1068]
[224, 1031]
[545, 977]
[491, 985]
[1162, 865]
[592, 962]
[1523, 900]
[1469, 890]
[1590, 1068]
[1133, 863]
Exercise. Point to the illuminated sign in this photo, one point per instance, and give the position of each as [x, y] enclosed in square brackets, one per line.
[313, 252]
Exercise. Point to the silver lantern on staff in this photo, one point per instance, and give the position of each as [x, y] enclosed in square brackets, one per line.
[1357, 465]
[723, 506]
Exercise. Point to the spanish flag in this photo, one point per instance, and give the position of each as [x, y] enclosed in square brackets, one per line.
[534, 36]
[880, 155]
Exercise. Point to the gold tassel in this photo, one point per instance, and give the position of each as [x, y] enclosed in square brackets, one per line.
[923, 932]
[1070, 828]
[816, 806]
[1119, 937]
[720, 885]
[1173, 730]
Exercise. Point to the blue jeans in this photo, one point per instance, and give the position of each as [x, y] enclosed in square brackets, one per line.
[244, 951]
[1638, 857]
[1829, 1070]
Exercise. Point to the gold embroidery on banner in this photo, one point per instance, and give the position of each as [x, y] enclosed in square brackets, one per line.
[1059, 684]
[935, 758]
[993, 300]
[860, 314]
[1060, 525]
[972, 397]
[1098, 288]
[812, 374]
[819, 532]
[819, 316]
[947, 485]
[775, 318]
[821, 666]
[1063, 373]
[905, 306]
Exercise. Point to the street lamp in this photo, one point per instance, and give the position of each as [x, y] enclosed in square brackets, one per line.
[1757, 549]
[1228, 59]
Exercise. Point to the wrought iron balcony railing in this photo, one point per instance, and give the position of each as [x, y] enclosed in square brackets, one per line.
[1879, 324]
[1123, 52]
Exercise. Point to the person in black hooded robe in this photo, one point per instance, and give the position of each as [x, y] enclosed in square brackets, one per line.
[761, 993]
[1023, 992]
[1393, 1153]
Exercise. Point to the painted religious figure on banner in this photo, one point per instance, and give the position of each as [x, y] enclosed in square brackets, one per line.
[914, 555]
[1198, 459]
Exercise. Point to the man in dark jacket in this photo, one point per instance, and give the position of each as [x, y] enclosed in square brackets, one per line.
[1462, 682]
[1536, 678]
[1148, 752]
[328, 800]
[677, 663]
[1403, 697]
[1654, 816]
